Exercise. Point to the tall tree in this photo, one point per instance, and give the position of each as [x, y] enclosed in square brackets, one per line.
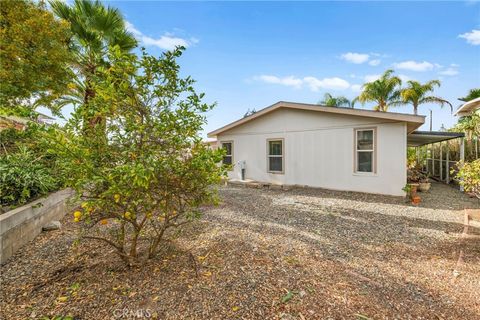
[385, 91]
[95, 28]
[34, 56]
[416, 94]
[155, 172]
[330, 101]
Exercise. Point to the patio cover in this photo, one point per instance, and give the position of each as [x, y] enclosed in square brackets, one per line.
[468, 107]
[421, 138]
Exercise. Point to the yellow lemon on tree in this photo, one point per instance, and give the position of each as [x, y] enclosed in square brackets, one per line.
[116, 197]
[77, 214]
[127, 215]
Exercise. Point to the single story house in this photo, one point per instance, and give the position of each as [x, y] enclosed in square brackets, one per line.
[329, 147]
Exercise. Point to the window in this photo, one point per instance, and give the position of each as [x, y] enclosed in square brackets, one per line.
[365, 150]
[228, 157]
[275, 155]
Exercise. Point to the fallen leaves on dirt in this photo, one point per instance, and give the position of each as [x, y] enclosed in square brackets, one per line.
[300, 254]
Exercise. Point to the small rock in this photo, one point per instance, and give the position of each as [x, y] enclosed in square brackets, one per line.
[54, 225]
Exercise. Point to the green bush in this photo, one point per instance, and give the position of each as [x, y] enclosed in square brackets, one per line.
[23, 176]
[469, 175]
[27, 171]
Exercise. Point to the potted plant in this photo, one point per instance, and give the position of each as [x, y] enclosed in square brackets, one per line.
[411, 191]
[413, 180]
[424, 184]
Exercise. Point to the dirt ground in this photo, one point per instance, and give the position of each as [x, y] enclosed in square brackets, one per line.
[267, 254]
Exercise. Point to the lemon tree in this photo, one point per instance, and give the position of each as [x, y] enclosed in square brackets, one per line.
[151, 171]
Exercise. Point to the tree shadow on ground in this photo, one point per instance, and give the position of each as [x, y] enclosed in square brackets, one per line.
[440, 196]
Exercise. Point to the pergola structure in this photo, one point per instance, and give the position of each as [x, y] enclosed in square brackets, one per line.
[425, 142]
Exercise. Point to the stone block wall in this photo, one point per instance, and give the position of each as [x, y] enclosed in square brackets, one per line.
[21, 225]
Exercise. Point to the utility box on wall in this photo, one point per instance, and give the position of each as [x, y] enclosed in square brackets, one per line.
[243, 167]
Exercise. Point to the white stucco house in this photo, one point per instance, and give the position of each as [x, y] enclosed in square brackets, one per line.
[329, 147]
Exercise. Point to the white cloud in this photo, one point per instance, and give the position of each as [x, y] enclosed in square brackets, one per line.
[415, 66]
[371, 77]
[312, 83]
[451, 71]
[356, 87]
[471, 37]
[334, 83]
[289, 81]
[357, 58]
[130, 27]
[374, 62]
[404, 78]
[167, 42]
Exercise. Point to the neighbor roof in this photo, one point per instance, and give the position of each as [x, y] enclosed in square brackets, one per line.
[413, 121]
[421, 138]
[468, 107]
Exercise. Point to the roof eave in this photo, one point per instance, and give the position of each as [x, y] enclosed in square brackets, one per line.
[468, 107]
[413, 121]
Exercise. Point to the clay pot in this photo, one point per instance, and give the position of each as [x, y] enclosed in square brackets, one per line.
[424, 186]
[416, 200]
[413, 190]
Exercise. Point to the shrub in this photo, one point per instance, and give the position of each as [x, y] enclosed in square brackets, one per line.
[469, 175]
[27, 170]
[23, 176]
[142, 169]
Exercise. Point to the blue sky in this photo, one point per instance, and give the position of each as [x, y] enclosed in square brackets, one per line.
[253, 54]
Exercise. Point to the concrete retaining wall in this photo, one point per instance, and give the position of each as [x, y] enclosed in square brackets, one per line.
[23, 224]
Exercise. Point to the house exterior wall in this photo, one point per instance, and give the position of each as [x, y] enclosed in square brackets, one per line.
[319, 151]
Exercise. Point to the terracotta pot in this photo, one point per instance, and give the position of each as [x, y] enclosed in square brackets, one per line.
[413, 189]
[424, 186]
[416, 200]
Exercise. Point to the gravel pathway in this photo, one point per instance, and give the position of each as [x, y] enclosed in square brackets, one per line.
[298, 254]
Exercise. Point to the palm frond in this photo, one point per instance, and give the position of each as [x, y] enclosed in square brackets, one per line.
[437, 100]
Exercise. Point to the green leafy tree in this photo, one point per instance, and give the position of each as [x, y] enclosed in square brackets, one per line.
[470, 124]
[416, 94]
[472, 94]
[469, 177]
[34, 56]
[330, 101]
[154, 171]
[95, 29]
[385, 92]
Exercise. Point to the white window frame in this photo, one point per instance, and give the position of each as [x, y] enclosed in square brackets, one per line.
[373, 151]
[231, 152]
[282, 156]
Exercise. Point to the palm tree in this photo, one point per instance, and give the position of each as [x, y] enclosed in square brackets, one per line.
[417, 94]
[331, 101]
[472, 94]
[95, 28]
[384, 91]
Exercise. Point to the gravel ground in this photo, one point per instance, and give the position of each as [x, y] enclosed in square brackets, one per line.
[298, 254]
